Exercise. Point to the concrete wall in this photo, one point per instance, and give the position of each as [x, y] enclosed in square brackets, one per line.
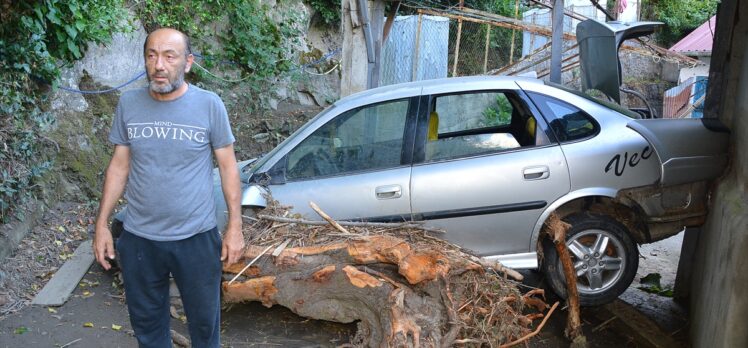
[719, 287]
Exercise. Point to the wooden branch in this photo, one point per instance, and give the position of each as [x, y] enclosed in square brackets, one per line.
[250, 264]
[411, 224]
[328, 218]
[496, 265]
[531, 334]
[454, 322]
[522, 60]
[457, 47]
[495, 20]
[390, 20]
[471, 15]
[557, 231]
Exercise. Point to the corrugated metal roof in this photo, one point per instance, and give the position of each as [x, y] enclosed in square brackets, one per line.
[698, 41]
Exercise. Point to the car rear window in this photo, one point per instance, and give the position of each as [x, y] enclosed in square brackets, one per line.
[568, 122]
[604, 103]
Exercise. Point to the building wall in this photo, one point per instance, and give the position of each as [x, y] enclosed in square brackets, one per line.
[719, 304]
[699, 70]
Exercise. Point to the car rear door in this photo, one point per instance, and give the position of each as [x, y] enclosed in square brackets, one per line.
[484, 168]
[355, 166]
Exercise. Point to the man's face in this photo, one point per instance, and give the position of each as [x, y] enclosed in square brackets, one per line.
[165, 61]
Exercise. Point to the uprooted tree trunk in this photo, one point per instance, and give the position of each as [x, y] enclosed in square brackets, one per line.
[404, 287]
[349, 281]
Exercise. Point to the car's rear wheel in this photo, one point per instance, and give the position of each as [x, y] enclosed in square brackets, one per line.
[603, 254]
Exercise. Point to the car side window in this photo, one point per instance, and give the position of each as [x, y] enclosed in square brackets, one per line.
[362, 139]
[476, 123]
[568, 122]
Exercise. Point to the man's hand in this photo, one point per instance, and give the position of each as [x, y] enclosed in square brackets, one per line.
[233, 245]
[114, 184]
[233, 239]
[103, 246]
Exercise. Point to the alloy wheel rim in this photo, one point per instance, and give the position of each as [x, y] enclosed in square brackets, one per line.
[599, 260]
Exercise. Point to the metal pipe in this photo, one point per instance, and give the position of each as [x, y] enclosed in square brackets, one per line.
[652, 113]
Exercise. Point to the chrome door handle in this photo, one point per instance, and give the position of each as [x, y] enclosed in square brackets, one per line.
[536, 173]
[388, 192]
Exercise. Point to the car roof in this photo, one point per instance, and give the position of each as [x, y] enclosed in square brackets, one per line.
[465, 83]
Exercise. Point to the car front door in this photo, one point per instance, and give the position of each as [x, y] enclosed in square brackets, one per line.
[484, 169]
[355, 166]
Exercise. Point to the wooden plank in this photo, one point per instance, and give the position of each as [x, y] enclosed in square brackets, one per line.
[61, 286]
[390, 20]
[476, 16]
[644, 330]
[495, 20]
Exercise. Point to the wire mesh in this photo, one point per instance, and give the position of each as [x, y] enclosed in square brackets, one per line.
[422, 47]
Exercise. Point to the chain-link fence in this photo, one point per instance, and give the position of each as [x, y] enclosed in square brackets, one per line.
[422, 47]
[462, 42]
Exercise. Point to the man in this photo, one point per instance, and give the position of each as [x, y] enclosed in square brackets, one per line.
[164, 135]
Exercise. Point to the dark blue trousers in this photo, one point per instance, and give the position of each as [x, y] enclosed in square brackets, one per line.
[196, 267]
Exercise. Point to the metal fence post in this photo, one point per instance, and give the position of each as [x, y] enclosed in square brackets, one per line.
[418, 48]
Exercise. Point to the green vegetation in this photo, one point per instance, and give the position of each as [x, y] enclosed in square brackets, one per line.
[36, 39]
[651, 284]
[679, 16]
[500, 114]
[328, 10]
[252, 42]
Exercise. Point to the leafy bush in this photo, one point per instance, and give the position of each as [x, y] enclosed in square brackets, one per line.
[250, 39]
[328, 10]
[679, 16]
[36, 38]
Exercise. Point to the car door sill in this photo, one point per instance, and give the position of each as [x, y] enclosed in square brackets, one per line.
[516, 261]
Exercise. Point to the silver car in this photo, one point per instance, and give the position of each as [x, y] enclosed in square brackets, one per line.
[489, 159]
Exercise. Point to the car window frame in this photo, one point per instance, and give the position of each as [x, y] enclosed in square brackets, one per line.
[279, 169]
[419, 151]
[595, 122]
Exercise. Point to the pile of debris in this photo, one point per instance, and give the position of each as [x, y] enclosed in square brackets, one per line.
[403, 284]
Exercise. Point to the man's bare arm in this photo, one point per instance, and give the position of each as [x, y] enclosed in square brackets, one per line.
[233, 238]
[115, 180]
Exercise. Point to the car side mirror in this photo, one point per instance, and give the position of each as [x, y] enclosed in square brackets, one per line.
[255, 196]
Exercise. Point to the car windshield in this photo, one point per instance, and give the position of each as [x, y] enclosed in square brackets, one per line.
[261, 162]
[604, 103]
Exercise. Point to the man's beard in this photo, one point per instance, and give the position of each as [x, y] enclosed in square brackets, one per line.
[168, 88]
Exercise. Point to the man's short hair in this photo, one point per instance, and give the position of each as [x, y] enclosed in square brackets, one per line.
[187, 43]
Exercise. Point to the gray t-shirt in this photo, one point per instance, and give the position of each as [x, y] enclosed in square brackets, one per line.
[170, 186]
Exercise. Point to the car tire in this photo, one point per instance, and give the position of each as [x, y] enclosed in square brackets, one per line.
[601, 276]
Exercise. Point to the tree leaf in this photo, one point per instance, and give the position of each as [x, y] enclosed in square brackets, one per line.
[80, 25]
[116, 327]
[21, 330]
[74, 49]
[88, 324]
[52, 16]
[72, 32]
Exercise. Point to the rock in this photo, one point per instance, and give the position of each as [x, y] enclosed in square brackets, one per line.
[261, 137]
[110, 65]
[306, 98]
[273, 103]
[118, 61]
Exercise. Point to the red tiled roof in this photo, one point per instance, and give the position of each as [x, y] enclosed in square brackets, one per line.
[699, 40]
